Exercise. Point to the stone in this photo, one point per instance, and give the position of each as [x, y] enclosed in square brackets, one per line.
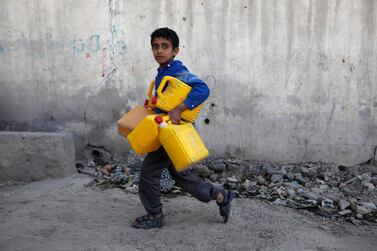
[359, 216]
[343, 204]
[276, 177]
[310, 195]
[217, 166]
[305, 171]
[359, 209]
[214, 177]
[365, 177]
[349, 191]
[132, 189]
[246, 184]
[202, 171]
[300, 179]
[289, 176]
[369, 186]
[231, 183]
[369, 205]
[313, 172]
[344, 212]
[373, 180]
[291, 193]
[280, 202]
[270, 169]
[334, 170]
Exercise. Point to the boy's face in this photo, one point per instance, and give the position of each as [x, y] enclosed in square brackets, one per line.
[163, 51]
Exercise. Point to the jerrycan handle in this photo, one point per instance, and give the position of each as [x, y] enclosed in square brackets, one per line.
[162, 85]
[150, 90]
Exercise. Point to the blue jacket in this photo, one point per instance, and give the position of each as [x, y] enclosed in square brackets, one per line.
[199, 92]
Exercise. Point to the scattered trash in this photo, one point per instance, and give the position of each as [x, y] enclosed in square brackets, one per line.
[337, 192]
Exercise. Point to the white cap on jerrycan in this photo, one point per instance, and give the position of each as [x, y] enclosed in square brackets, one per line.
[160, 121]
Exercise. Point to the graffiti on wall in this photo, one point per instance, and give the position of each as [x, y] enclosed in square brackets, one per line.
[105, 46]
[94, 43]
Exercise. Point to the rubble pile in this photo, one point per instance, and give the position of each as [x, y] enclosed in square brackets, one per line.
[123, 173]
[339, 192]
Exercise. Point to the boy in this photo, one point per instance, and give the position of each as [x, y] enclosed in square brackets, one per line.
[165, 46]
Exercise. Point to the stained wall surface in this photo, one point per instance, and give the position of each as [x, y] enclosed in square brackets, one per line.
[290, 80]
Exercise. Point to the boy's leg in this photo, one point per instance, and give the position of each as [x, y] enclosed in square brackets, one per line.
[203, 191]
[191, 183]
[150, 175]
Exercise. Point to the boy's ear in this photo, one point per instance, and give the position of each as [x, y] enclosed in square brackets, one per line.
[175, 51]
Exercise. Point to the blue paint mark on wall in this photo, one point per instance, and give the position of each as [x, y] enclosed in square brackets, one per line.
[94, 43]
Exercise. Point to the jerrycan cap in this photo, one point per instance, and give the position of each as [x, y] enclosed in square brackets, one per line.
[146, 102]
[154, 100]
[158, 119]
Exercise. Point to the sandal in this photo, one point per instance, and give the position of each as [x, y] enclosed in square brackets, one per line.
[148, 221]
[226, 205]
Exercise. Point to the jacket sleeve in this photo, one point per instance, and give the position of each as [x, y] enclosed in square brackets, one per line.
[199, 92]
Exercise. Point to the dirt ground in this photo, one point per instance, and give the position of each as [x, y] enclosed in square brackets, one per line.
[66, 214]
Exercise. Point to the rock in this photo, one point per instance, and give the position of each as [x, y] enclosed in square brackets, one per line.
[323, 187]
[360, 209]
[213, 177]
[305, 171]
[202, 171]
[369, 205]
[344, 212]
[349, 191]
[321, 182]
[231, 183]
[369, 186]
[289, 176]
[276, 178]
[217, 166]
[270, 169]
[310, 195]
[373, 180]
[344, 184]
[291, 193]
[280, 202]
[132, 189]
[343, 204]
[300, 179]
[359, 216]
[246, 184]
[334, 171]
[313, 172]
[365, 177]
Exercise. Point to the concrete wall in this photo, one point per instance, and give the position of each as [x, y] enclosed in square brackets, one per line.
[30, 156]
[290, 80]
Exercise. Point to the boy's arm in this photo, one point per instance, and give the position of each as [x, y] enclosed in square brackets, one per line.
[175, 114]
[199, 92]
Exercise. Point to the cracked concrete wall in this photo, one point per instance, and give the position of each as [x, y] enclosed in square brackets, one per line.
[290, 80]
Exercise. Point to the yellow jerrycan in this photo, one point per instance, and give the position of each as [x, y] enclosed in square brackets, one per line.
[130, 120]
[151, 99]
[172, 92]
[144, 138]
[181, 142]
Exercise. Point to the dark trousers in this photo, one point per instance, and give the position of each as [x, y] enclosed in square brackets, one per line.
[150, 174]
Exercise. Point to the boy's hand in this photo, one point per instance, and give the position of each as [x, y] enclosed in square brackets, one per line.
[175, 114]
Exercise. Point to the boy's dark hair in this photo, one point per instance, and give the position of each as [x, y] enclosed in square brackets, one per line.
[167, 34]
